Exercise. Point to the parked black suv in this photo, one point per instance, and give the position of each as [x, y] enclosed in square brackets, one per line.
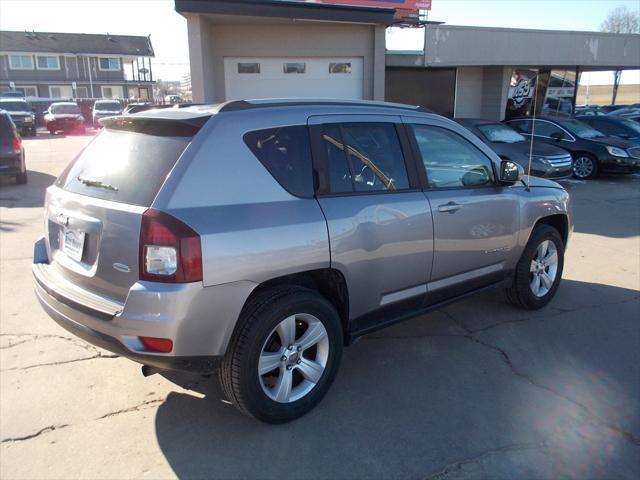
[21, 114]
[11, 151]
[592, 150]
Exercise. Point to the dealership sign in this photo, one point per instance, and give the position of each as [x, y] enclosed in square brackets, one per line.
[404, 4]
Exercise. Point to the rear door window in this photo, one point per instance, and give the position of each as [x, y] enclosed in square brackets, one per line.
[286, 153]
[364, 157]
[128, 162]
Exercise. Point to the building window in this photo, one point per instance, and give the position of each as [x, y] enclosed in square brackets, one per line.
[113, 91]
[248, 68]
[295, 67]
[47, 62]
[109, 63]
[20, 62]
[82, 92]
[60, 91]
[30, 91]
[107, 92]
[340, 68]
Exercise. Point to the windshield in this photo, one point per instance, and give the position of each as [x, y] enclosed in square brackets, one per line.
[16, 106]
[65, 109]
[109, 106]
[580, 129]
[496, 132]
[631, 124]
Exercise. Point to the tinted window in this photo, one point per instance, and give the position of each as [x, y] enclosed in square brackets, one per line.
[285, 152]
[522, 126]
[108, 106]
[15, 106]
[65, 109]
[337, 166]
[6, 128]
[547, 129]
[295, 67]
[248, 68]
[125, 166]
[450, 160]
[373, 154]
[339, 68]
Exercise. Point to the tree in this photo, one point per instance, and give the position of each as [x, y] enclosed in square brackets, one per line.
[622, 20]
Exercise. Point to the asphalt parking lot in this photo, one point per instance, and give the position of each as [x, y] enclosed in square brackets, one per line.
[478, 390]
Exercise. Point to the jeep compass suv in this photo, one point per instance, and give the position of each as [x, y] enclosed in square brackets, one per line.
[258, 238]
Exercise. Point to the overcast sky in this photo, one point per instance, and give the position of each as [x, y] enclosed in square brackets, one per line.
[168, 30]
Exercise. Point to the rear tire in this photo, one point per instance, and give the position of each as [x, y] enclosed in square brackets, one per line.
[538, 272]
[585, 166]
[301, 375]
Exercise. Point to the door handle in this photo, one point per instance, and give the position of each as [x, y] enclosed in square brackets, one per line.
[451, 207]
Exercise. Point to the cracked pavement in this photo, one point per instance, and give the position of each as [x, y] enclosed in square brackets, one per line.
[477, 390]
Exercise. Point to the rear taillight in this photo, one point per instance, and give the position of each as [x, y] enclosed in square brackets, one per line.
[162, 345]
[16, 144]
[170, 251]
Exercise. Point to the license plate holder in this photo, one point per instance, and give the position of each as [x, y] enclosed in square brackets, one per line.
[73, 243]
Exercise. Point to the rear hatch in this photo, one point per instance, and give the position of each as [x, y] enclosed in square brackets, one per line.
[94, 210]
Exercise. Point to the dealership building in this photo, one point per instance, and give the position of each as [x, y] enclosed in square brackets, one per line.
[336, 49]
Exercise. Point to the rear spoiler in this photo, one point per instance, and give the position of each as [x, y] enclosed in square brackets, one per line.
[161, 127]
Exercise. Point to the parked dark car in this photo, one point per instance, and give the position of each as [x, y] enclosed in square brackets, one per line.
[621, 127]
[547, 161]
[12, 161]
[65, 116]
[592, 150]
[21, 114]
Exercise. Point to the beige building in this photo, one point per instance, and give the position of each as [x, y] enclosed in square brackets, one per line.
[282, 48]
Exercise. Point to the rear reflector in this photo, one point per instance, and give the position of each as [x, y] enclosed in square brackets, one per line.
[160, 345]
[170, 251]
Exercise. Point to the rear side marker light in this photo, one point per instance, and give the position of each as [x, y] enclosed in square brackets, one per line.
[170, 250]
[160, 345]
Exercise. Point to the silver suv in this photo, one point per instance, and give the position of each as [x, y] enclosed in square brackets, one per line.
[258, 238]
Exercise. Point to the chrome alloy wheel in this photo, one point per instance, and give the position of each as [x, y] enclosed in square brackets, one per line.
[583, 167]
[293, 358]
[544, 268]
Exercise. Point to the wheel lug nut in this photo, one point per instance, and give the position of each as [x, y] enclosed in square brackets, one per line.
[290, 347]
[283, 358]
[299, 362]
[289, 367]
[299, 348]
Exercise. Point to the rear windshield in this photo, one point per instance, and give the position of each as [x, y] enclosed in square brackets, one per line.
[127, 165]
[16, 106]
[499, 133]
[65, 109]
[6, 128]
[110, 106]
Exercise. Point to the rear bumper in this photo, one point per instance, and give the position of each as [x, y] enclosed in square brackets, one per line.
[198, 320]
[11, 165]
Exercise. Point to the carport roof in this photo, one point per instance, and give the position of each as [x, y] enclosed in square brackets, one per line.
[289, 9]
[77, 43]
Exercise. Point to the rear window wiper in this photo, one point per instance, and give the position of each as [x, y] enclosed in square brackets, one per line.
[96, 183]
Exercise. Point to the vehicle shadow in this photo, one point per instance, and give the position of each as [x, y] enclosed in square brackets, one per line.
[30, 195]
[420, 398]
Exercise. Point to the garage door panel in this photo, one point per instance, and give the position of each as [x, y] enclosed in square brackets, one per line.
[272, 82]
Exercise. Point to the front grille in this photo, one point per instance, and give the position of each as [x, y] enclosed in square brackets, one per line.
[634, 152]
[559, 160]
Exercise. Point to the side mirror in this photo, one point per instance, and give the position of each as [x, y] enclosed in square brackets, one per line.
[510, 172]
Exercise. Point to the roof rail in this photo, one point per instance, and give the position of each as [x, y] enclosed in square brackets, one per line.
[239, 105]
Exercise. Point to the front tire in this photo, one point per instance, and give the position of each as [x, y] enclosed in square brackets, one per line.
[284, 354]
[585, 167]
[539, 270]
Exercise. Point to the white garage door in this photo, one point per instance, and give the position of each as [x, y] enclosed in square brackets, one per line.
[269, 77]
